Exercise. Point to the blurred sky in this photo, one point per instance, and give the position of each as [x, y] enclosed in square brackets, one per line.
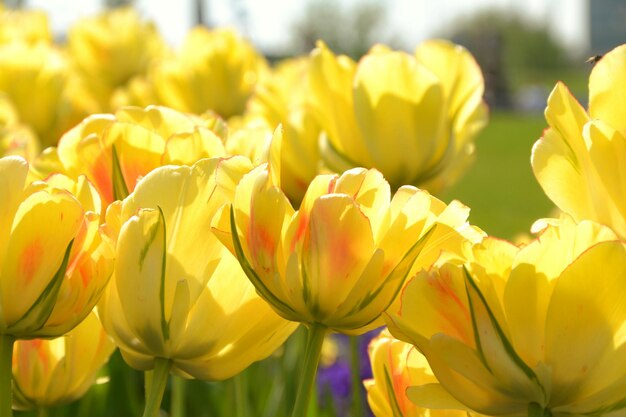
[268, 22]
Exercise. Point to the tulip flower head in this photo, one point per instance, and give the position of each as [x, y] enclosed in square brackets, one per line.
[111, 48]
[578, 160]
[177, 293]
[53, 372]
[339, 260]
[115, 150]
[51, 252]
[281, 100]
[530, 331]
[397, 366]
[412, 117]
[214, 70]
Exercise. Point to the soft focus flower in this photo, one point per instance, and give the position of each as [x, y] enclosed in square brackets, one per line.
[53, 372]
[177, 293]
[579, 160]
[15, 138]
[30, 26]
[51, 252]
[214, 70]
[281, 99]
[341, 259]
[34, 77]
[412, 117]
[530, 331]
[111, 48]
[396, 367]
[116, 150]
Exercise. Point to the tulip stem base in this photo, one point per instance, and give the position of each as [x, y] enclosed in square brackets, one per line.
[241, 395]
[178, 396]
[6, 374]
[312, 354]
[157, 387]
[355, 365]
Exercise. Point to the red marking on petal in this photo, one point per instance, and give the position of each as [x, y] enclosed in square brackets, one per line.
[102, 177]
[30, 261]
[332, 184]
[303, 223]
[456, 327]
[400, 382]
[262, 246]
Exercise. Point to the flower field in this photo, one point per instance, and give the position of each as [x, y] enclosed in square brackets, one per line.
[194, 231]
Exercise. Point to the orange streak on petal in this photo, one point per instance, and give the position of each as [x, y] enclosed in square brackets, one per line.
[30, 260]
[453, 324]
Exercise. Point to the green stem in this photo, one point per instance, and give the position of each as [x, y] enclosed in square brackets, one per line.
[147, 382]
[241, 395]
[42, 412]
[6, 374]
[311, 358]
[157, 387]
[178, 396]
[355, 365]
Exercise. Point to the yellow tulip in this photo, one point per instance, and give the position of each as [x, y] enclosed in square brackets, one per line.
[396, 367]
[142, 139]
[30, 26]
[112, 47]
[533, 331]
[340, 260]
[177, 293]
[215, 70]
[412, 117]
[51, 252]
[37, 79]
[281, 99]
[15, 138]
[578, 161]
[53, 372]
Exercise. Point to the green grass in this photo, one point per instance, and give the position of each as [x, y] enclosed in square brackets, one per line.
[500, 187]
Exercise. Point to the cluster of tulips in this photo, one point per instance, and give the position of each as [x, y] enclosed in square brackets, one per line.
[208, 204]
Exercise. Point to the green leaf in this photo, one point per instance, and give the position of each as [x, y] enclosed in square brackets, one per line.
[120, 190]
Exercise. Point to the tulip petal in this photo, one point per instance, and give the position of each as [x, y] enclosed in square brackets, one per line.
[396, 97]
[496, 352]
[585, 319]
[189, 147]
[43, 226]
[13, 172]
[607, 87]
[338, 244]
[140, 274]
[535, 272]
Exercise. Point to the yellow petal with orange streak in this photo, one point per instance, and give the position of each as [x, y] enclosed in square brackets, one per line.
[44, 225]
[139, 150]
[370, 191]
[270, 215]
[338, 245]
[443, 307]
